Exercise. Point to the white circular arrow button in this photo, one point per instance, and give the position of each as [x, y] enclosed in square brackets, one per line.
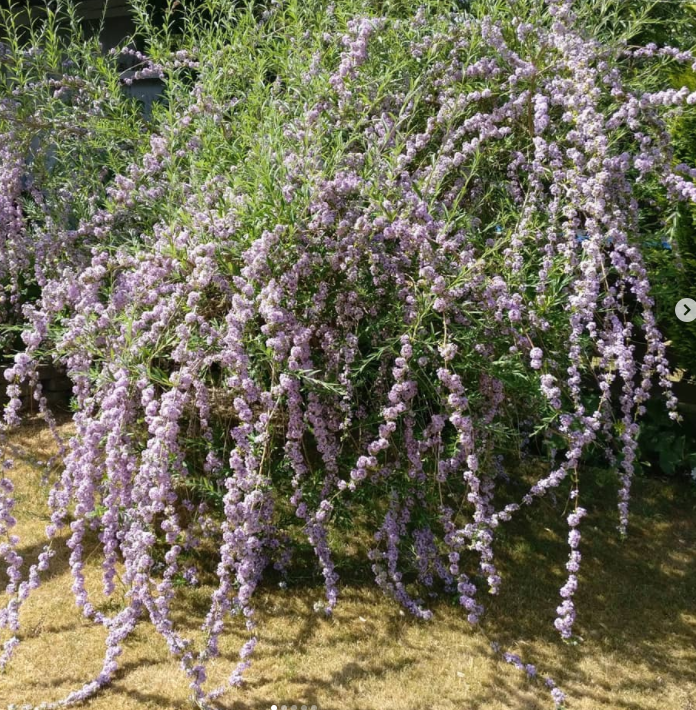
[685, 310]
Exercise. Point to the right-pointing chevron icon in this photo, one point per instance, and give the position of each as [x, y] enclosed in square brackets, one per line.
[685, 310]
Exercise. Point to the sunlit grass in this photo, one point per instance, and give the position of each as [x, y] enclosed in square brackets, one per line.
[637, 616]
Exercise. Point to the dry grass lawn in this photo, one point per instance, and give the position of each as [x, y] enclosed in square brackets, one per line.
[637, 614]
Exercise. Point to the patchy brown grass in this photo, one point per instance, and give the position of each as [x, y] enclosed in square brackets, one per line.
[637, 605]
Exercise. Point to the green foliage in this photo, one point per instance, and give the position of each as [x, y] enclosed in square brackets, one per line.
[666, 448]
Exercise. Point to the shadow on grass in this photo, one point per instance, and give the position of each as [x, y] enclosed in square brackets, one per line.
[636, 599]
[636, 602]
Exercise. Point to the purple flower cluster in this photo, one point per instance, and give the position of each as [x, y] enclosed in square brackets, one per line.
[566, 611]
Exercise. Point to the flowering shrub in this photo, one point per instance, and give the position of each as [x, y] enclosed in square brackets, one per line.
[348, 265]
